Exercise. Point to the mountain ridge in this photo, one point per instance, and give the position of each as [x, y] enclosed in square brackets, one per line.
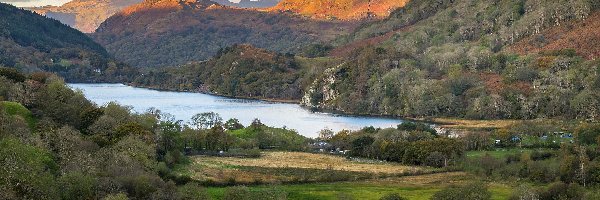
[84, 15]
[30, 42]
[341, 9]
[152, 33]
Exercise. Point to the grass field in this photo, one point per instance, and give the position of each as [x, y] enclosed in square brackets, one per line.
[290, 167]
[498, 153]
[473, 124]
[310, 161]
[411, 187]
[320, 176]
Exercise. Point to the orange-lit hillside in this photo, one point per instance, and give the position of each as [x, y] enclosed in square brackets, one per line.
[341, 9]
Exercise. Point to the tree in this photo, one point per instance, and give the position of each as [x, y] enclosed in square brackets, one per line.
[233, 124]
[587, 133]
[218, 139]
[325, 134]
[206, 120]
[12, 74]
[361, 146]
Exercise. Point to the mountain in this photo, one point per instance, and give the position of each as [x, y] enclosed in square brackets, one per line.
[84, 15]
[431, 58]
[469, 59]
[31, 42]
[341, 9]
[171, 32]
[249, 3]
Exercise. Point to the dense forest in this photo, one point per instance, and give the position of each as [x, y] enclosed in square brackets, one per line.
[452, 61]
[241, 71]
[152, 33]
[30, 42]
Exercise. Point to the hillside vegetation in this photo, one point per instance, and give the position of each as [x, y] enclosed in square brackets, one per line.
[341, 9]
[241, 71]
[451, 58]
[581, 35]
[30, 42]
[84, 15]
[152, 33]
[428, 59]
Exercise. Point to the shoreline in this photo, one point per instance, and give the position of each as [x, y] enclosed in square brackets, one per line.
[219, 95]
[443, 122]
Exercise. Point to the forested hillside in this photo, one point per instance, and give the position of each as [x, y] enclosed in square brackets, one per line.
[30, 42]
[84, 15]
[433, 59]
[153, 33]
[241, 71]
[453, 58]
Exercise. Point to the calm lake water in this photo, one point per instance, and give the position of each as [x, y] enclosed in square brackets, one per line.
[183, 105]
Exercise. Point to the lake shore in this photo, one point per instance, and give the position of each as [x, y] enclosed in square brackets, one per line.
[443, 122]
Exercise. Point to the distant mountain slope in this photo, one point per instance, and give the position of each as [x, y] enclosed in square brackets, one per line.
[171, 32]
[31, 42]
[249, 3]
[85, 15]
[341, 9]
[241, 71]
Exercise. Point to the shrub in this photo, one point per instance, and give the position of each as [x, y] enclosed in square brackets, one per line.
[524, 192]
[78, 186]
[393, 196]
[472, 191]
[192, 191]
[560, 190]
[12, 74]
[237, 193]
[120, 196]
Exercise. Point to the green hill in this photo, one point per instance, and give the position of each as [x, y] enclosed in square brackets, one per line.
[241, 71]
[31, 42]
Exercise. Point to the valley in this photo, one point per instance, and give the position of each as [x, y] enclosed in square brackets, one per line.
[325, 99]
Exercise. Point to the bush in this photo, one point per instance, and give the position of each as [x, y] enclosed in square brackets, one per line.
[393, 196]
[524, 192]
[236, 193]
[192, 191]
[12, 74]
[472, 191]
[120, 196]
[560, 190]
[78, 186]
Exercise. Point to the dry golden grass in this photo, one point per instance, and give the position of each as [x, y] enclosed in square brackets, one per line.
[471, 124]
[310, 161]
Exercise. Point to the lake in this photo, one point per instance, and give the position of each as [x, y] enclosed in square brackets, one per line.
[183, 105]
